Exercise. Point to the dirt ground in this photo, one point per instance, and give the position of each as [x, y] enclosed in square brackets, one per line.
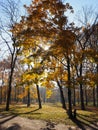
[13, 122]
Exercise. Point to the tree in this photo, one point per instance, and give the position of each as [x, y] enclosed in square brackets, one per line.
[48, 24]
[83, 44]
[34, 72]
[57, 74]
[93, 54]
[10, 9]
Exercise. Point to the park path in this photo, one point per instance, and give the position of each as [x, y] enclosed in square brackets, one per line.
[19, 123]
[12, 122]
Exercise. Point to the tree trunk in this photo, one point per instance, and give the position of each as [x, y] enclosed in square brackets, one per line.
[28, 98]
[94, 103]
[81, 91]
[13, 61]
[74, 98]
[62, 95]
[69, 90]
[69, 103]
[9, 91]
[97, 89]
[39, 99]
[86, 99]
[82, 97]
[24, 98]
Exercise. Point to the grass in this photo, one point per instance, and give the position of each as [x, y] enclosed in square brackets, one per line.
[51, 112]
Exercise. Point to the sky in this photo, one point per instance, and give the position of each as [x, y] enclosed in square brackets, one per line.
[77, 6]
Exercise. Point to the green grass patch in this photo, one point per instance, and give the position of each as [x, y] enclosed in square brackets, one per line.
[50, 113]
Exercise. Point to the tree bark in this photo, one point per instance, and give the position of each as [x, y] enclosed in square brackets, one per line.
[94, 102]
[9, 90]
[97, 89]
[86, 98]
[39, 99]
[82, 97]
[69, 90]
[74, 97]
[81, 91]
[62, 95]
[13, 61]
[28, 98]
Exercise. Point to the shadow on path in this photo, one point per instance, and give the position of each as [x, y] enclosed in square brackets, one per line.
[93, 123]
[84, 126]
[4, 118]
[7, 119]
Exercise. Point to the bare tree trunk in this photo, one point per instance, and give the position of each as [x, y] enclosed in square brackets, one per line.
[62, 95]
[97, 89]
[13, 60]
[9, 91]
[82, 97]
[94, 102]
[74, 97]
[69, 90]
[28, 98]
[81, 91]
[39, 99]
[86, 98]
